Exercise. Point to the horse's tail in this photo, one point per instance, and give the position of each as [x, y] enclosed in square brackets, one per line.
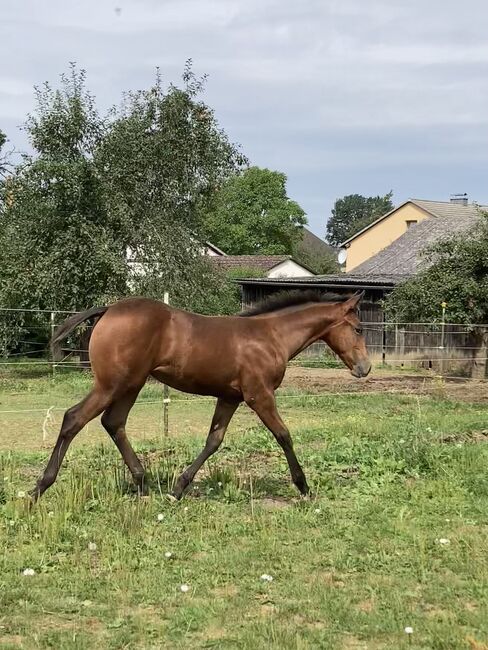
[64, 330]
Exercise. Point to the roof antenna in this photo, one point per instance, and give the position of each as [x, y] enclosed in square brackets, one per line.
[459, 199]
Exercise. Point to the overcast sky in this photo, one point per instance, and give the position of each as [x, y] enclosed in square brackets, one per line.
[344, 96]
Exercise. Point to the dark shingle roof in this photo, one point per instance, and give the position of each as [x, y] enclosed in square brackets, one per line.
[314, 245]
[343, 280]
[403, 257]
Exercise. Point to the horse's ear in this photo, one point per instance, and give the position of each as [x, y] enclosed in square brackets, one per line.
[353, 301]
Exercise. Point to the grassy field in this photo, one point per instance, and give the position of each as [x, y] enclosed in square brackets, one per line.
[395, 536]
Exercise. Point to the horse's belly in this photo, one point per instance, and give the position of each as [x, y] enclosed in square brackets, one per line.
[224, 390]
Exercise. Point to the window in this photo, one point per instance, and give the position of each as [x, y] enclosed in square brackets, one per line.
[411, 223]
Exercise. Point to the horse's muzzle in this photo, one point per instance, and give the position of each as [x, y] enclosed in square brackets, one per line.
[361, 369]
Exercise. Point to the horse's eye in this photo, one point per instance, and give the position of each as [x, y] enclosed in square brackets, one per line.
[359, 330]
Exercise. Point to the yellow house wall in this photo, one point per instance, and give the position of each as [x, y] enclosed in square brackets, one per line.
[382, 234]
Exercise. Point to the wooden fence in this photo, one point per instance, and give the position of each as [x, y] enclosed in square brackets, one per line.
[446, 348]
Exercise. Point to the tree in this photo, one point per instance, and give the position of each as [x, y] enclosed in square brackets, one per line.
[160, 164]
[96, 190]
[3, 140]
[251, 214]
[57, 248]
[457, 275]
[354, 212]
[4, 159]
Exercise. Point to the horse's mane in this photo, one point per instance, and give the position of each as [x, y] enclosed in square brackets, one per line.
[285, 299]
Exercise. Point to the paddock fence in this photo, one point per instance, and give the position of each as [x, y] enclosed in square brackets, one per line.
[35, 389]
[445, 348]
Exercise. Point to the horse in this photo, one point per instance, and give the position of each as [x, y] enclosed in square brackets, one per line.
[236, 359]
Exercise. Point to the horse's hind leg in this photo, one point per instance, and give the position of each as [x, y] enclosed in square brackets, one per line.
[74, 420]
[220, 421]
[114, 420]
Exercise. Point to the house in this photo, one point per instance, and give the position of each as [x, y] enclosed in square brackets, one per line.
[395, 258]
[271, 266]
[388, 228]
[276, 266]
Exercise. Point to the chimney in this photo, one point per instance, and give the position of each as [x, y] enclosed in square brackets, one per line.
[459, 199]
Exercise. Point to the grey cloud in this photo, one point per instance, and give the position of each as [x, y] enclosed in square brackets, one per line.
[342, 95]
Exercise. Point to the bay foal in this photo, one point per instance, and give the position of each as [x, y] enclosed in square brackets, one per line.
[233, 358]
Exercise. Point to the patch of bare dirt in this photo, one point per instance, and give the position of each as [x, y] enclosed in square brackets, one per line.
[327, 380]
[274, 503]
[472, 436]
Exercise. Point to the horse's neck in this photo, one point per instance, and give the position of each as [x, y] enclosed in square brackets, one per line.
[302, 327]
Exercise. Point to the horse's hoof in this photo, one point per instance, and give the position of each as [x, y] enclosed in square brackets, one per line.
[171, 498]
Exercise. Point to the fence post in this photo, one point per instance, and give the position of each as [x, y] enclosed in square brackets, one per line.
[383, 341]
[480, 362]
[53, 327]
[166, 398]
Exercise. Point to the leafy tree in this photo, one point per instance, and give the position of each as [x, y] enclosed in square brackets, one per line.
[96, 189]
[3, 140]
[251, 214]
[457, 274]
[160, 163]
[4, 160]
[354, 212]
[57, 249]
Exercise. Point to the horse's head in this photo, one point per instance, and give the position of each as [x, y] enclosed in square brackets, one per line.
[345, 337]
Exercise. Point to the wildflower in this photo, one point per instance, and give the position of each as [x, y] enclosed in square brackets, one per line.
[401, 441]
[219, 483]
[444, 541]
[266, 578]
[28, 572]
[160, 516]
[11, 522]
[50, 513]
[317, 511]
[92, 546]
[168, 554]
[409, 630]
[185, 509]
[184, 588]
[21, 494]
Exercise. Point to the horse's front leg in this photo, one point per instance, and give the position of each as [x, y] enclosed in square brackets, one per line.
[220, 421]
[264, 404]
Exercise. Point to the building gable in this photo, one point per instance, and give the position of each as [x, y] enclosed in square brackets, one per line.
[383, 232]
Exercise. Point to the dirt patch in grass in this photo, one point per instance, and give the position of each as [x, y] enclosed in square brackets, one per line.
[274, 503]
[326, 380]
[471, 437]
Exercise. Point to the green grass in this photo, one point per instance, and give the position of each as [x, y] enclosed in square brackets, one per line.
[351, 568]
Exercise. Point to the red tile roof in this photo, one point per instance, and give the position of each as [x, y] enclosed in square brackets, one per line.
[262, 262]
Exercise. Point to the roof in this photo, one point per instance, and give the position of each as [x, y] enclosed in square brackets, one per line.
[313, 244]
[341, 280]
[403, 257]
[434, 208]
[214, 248]
[262, 262]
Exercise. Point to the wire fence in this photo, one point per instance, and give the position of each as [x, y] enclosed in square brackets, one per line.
[457, 352]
